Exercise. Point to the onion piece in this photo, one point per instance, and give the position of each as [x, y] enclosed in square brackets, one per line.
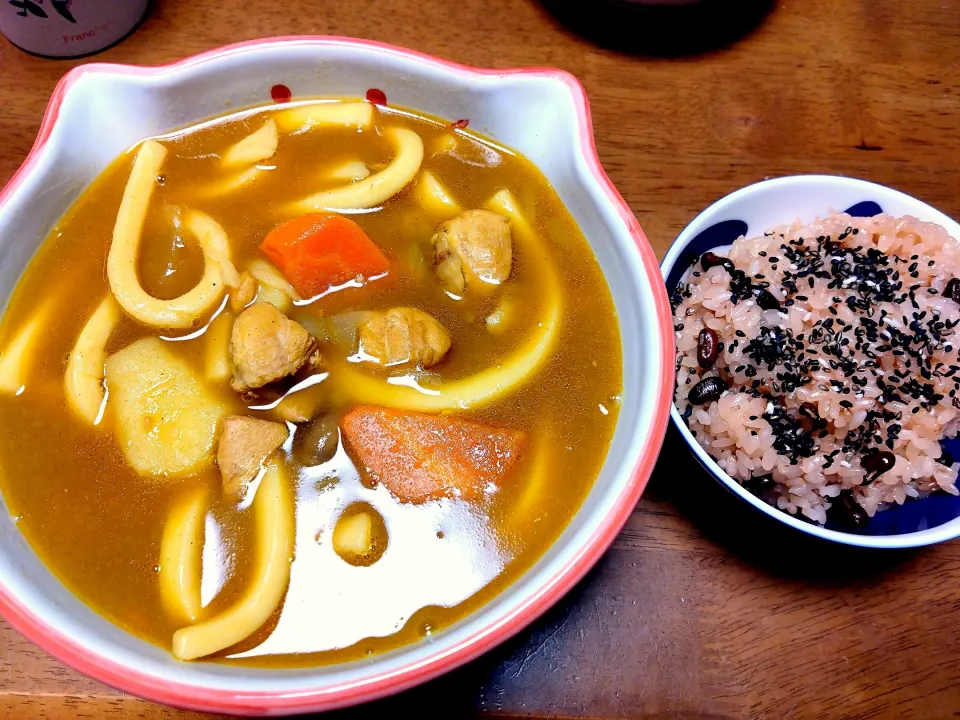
[342, 329]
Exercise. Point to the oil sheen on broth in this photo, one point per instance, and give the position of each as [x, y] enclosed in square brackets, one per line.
[99, 525]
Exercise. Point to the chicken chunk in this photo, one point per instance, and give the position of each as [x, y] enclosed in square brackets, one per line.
[473, 248]
[266, 345]
[403, 335]
[244, 444]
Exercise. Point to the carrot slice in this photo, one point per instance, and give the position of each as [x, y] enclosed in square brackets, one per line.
[319, 250]
[419, 457]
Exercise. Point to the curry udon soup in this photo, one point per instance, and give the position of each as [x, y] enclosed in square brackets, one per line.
[305, 383]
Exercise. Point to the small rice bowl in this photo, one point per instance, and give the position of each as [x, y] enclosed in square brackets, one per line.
[836, 369]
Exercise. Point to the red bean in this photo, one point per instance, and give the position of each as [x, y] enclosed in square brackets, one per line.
[878, 463]
[952, 290]
[708, 348]
[707, 391]
[711, 259]
[847, 512]
[760, 484]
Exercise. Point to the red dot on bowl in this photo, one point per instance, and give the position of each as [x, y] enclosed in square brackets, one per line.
[280, 93]
[376, 96]
[460, 124]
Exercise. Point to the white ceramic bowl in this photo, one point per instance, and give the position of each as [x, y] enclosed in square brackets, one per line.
[97, 111]
[756, 208]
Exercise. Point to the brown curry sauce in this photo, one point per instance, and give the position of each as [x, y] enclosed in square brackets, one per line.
[97, 524]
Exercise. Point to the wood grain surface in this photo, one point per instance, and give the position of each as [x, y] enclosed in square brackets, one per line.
[700, 609]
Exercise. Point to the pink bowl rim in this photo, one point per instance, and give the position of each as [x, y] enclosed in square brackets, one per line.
[377, 685]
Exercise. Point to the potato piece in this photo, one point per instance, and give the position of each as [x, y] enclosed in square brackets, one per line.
[255, 147]
[216, 352]
[303, 404]
[350, 171]
[166, 418]
[434, 197]
[235, 182]
[444, 144]
[274, 288]
[270, 294]
[353, 535]
[504, 315]
[360, 536]
[16, 357]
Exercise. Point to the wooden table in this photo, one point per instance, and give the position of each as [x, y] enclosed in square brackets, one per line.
[700, 609]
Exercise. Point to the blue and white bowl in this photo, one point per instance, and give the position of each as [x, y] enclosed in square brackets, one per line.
[753, 209]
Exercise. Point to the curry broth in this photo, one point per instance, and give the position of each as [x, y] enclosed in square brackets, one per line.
[97, 524]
